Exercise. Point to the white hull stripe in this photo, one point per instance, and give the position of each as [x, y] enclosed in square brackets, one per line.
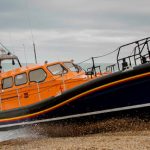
[77, 115]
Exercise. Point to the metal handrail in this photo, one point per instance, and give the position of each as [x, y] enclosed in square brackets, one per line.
[138, 43]
[111, 68]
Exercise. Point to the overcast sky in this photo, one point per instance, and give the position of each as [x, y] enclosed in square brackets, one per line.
[71, 29]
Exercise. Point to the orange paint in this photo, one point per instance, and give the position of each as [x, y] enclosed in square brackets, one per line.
[32, 92]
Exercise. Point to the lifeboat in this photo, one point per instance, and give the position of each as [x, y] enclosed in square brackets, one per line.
[64, 90]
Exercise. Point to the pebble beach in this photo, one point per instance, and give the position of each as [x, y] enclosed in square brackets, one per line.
[113, 134]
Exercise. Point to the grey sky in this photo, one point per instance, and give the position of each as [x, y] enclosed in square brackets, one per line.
[71, 29]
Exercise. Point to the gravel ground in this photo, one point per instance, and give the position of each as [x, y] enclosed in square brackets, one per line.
[114, 134]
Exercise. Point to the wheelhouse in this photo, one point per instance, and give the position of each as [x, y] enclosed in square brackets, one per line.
[28, 85]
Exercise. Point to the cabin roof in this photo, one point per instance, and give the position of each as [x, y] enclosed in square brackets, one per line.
[19, 70]
[26, 68]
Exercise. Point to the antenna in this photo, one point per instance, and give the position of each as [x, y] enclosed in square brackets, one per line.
[35, 52]
[28, 17]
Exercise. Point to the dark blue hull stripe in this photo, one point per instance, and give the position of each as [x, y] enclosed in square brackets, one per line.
[77, 115]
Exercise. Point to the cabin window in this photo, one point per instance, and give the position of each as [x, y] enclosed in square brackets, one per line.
[71, 66]
[7, 83]
[37, 75]
[57, 69]
[20, 79]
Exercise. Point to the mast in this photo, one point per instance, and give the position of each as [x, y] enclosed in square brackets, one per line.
[35, 53]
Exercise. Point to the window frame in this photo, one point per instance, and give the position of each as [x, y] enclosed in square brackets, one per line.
[34, 70]
[57, 74]
[20, 74]
[3, 83]
[77, 69]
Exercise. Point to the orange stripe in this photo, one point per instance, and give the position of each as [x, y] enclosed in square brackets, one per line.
[76, 97]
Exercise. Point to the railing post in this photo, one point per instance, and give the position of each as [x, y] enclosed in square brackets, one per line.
[148, 50]
[135, 56]
[118, 58]
[63, 81]
[139, 50]
[100, 70]
[1, 100]
[18, 97]
[38, 91]
[130, 62]
[94, 66]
